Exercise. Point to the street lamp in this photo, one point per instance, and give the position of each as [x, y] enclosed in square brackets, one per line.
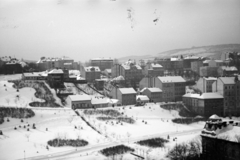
[24, 154]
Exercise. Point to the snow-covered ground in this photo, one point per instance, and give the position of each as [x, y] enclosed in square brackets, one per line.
[61, 122]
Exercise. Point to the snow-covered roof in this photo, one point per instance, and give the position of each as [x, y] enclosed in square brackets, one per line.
[227, 80]
[191, 57]
[108, 70]
[190, 95]
[156, 65]
[142, 98]
[210, 96]
[99, 101]
[232, 68]
[127, 91]
[56, 71]
[210, 78]
[67, 64]
[128, 66]
[119, 78]
[226, 130]
[175, 59]
[154, 89]
[204, 96]
[214, 117]
[34, 74]
[92, 68]
[171, 79]
[66, 58]
[82, 97]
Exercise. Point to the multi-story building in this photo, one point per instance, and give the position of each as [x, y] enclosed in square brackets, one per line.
[195, 66]
[125, 96]
[173, 87]
[229, 88]
[61, 63]
[220, 139]
[227, 71]
[165, 63]
[132, 73]
[207, 71]
[102, 63]
[153, 70]
[154, 94]
[188, 60]
[90, 73]
[205, 104]
[204, 84]
[56, 78]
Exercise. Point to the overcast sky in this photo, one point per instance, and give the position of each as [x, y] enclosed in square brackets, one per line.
[85, 29]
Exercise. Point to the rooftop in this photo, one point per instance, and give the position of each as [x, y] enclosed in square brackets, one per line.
[127, 91]
[108, 70]
[204, 96]
[173, 79]
[156, 65]
[56, 71]
[226, 130]
[92, 68]
[232, 68]
[142, 98]
[227, 80]
[82, 97]
[154, 89]
[128, 66]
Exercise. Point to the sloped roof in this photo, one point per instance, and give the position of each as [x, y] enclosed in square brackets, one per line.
[56, 71]
[127, 91]
[108, 70]
[171, 79]
[142, 98]
[191, 57]
[99, 101]
[156, 65]
[214, 117]
[154, 89]
[127, 66]
[82, 97]
[227, 80]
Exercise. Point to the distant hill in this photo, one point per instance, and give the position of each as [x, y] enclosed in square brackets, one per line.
[213, 51]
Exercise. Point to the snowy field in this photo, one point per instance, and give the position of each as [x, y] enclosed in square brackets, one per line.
[61, 122]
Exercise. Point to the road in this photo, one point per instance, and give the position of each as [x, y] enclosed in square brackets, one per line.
[100, 146]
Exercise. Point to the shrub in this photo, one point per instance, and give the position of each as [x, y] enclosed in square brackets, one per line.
[121, 149]
[15, 113]
[108, 112]
[67, 142]
[155, 142]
